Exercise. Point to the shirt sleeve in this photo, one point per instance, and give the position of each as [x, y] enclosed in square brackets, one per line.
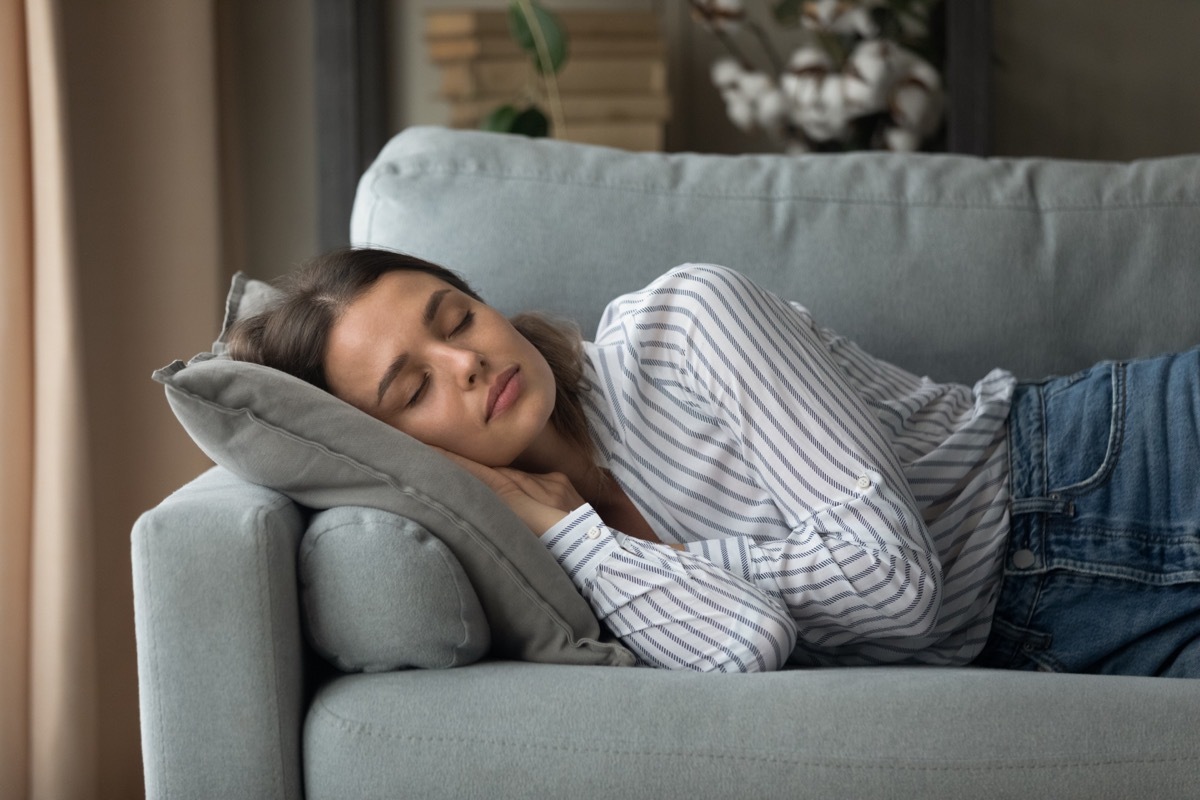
[672, 609]
[858, 562]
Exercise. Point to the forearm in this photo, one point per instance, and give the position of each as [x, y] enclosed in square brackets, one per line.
[838, 591]
[674, 609]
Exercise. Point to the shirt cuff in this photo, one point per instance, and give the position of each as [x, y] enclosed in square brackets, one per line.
[580, 543]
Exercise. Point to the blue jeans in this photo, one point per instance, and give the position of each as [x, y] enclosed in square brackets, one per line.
[1102, 571]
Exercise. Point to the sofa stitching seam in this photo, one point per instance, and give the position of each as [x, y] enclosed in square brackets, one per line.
[811, 198]
[369, 730]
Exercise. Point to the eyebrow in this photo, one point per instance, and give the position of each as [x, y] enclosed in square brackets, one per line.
[397, 365]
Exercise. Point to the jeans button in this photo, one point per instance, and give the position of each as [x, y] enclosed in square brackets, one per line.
[1024, 559]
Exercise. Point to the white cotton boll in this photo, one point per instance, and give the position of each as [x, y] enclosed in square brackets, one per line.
[771, 109]
[921, 70]
[726, 72]
[821, 128]
[860, 98]
[739, 110]
[807, 68]
[819, 14]
[855, 21]
[721, 15]
[805, 89]
[916, 100]
[754, 85]
[822, 114]
[902, 62]
[808, 58]
[900, 140]
[837, 104]
[789, 83]
[841, 16]
[871, 63]
[833, 97]
[911, 104]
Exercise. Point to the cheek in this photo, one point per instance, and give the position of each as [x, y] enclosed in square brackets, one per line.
[439, 422]
[429, 427]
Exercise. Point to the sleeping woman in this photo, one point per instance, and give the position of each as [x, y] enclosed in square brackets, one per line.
[734, 488]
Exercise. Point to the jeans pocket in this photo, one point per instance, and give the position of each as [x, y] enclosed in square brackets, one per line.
[1085, 423]
[1012, 646]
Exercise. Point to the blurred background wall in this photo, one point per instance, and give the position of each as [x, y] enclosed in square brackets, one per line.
[1086, 79]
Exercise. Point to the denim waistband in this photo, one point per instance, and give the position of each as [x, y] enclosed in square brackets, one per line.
[1103, 560]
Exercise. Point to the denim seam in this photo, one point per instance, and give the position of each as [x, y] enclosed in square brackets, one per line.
[1090, 569]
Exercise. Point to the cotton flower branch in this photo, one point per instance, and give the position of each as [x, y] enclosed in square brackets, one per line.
[856, 81]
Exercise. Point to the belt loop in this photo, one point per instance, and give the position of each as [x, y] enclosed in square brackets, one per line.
[1043, 505]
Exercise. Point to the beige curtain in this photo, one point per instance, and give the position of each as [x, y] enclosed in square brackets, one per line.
[47, 630]
[109, 267]
[16, 401]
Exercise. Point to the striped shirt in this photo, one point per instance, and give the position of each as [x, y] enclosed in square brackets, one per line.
[834, 509]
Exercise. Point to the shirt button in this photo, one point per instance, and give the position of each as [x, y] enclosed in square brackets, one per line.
[594, 533]
[864, 482]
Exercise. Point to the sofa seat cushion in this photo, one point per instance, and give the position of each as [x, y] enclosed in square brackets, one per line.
[501, 729]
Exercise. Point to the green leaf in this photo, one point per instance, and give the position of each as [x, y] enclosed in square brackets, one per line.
[888, 22]
[531, 122]
[787, 12]
[506, 119]
[500, 120]
[551, 32]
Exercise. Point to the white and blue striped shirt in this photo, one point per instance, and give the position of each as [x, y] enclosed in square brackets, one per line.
[834, 508]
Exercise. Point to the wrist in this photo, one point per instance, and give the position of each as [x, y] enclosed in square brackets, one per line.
[539, 517]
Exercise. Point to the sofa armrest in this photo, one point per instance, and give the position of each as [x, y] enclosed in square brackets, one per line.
[220, 652]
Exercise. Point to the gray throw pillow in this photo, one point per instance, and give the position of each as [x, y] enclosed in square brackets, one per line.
[380, 593]
[275, 430]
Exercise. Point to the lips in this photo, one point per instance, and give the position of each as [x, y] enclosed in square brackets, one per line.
[503, 392]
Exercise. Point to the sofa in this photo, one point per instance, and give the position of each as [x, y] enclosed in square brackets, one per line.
[384, 639]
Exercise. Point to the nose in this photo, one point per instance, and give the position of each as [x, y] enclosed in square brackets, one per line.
[466, 366]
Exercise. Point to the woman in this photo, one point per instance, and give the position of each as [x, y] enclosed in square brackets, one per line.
[732, 487]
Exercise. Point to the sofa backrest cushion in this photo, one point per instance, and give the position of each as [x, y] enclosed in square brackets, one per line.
[945, 265]
[275, 430]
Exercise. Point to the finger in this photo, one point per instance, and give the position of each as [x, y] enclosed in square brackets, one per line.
[530, 481]
[554, 489]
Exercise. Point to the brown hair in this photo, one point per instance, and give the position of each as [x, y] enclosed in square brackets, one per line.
[292, 335]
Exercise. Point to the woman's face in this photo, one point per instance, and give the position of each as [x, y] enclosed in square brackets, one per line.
[442, 367]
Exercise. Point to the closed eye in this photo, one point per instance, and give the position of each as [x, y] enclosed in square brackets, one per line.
[467, 319]
[412, 401]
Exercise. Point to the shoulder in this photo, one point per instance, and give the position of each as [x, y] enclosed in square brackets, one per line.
[692, 283]
[688, 295]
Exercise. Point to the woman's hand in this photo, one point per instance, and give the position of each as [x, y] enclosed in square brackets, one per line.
[539, 500]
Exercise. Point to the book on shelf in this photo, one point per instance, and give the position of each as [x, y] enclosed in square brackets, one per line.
[581, 107]
[467, 79]
[612, 87]
[576, 24]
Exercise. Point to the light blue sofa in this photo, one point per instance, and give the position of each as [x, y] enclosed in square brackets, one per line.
[945, 265]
